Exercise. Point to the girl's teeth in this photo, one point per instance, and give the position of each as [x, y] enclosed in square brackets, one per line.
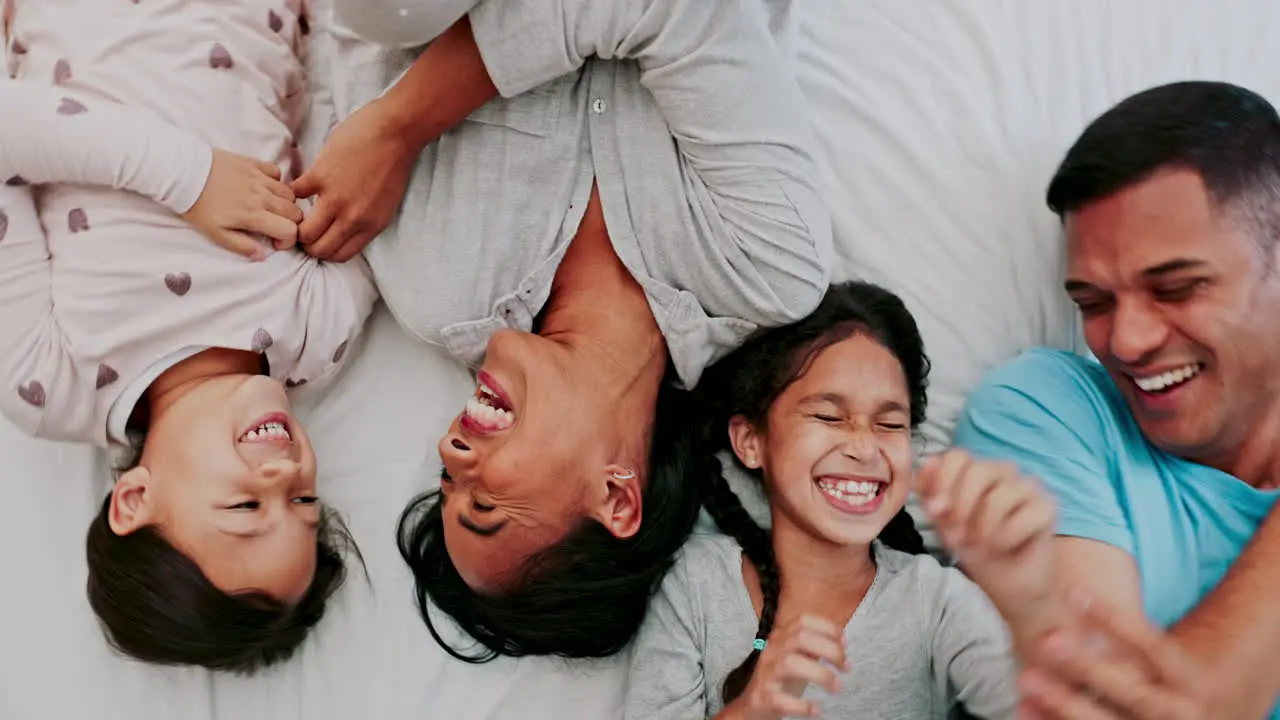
[852, 492]
[272, 431]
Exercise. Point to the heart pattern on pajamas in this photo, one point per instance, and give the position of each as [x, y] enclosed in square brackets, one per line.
[220, 58]
[106, 376]
[32, 393]
[69, 106]
[16, 181]
[262, 340]
[178, 283]
[77, 221]
[274, 22]
[340, 352]
[61, 71]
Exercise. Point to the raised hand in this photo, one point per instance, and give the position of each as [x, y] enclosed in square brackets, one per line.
[801, 651]
[999, 525]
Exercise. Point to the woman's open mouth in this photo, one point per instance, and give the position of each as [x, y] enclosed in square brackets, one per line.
[488, 409]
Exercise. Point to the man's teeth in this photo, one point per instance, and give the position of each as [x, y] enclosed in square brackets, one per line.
[489, 416]
[1166, 380]
[853, 492]
[268, 431]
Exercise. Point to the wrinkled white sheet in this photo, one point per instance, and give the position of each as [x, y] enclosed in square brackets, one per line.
[940, 124]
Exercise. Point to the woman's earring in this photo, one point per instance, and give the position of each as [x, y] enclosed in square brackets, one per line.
[630, 474]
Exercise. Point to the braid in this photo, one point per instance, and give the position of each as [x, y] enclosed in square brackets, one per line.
[726, 509]
[901, 534]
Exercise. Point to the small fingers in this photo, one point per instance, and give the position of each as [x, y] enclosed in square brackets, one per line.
[241, 244]
[987, 525]
[287, 209]
[1033, 518]
[282, 230]
[819, 646]
[268, 169]
[779, 701]
[803, 669]
[945, 473]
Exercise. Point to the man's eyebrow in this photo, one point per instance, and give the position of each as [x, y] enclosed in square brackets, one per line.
[481, 530]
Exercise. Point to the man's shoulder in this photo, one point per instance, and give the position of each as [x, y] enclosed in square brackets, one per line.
[1043, 380]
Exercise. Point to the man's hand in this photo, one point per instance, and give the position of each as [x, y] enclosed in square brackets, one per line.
[244, 196]
[1117, 667]
[359, 180]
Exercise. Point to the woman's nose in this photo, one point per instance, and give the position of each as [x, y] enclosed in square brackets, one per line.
[456, 450]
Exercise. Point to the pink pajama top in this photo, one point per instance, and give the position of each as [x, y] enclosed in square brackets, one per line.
[107, 122]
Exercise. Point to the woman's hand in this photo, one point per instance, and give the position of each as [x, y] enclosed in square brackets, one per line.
[793, 658]
[359, 181]
[243, 197]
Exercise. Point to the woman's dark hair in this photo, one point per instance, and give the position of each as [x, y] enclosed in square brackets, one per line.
[748, 381]
[1228, 135]
[156, 605]
[583, 597]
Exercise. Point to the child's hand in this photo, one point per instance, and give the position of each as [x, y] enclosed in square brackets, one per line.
[792, 659]
[244, 196]
[999, 525]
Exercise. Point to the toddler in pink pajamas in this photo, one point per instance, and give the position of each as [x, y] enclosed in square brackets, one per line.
[124, 325]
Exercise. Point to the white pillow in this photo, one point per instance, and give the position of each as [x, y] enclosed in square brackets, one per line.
[940, 124]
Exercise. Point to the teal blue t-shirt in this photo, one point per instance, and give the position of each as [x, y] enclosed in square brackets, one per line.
[1061, 419]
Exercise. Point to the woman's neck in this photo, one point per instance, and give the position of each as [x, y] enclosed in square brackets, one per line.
[600, 313]
[819, 577]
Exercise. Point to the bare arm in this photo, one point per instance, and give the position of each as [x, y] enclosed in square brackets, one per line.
[1235, 630]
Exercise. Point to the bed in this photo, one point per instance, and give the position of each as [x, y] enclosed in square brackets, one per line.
[939, 124]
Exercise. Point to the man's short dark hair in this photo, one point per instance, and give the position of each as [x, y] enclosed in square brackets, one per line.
[1228, 135]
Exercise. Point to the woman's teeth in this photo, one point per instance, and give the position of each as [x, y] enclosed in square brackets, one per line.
[268, 431]
[483, 408]
[853, 492]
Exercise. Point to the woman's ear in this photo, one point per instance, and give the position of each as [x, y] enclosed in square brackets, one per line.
[748, 444]
[131, 507]
[620, 512]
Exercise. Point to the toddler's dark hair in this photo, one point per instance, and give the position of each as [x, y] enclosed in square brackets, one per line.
[156, 605]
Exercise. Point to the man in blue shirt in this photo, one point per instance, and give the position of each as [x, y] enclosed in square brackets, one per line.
[1163, 454]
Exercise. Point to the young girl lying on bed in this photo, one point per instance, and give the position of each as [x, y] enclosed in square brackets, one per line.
[124, 326]
[838, 597]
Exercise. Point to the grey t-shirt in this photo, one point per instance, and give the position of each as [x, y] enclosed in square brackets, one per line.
[923, 639]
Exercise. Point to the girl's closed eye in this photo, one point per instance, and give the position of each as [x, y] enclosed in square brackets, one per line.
[306, 500]
[246, 505]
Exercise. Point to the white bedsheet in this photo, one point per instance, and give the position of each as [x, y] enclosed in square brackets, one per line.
[940, 123]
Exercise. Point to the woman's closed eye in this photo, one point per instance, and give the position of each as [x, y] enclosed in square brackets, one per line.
[481, 507]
